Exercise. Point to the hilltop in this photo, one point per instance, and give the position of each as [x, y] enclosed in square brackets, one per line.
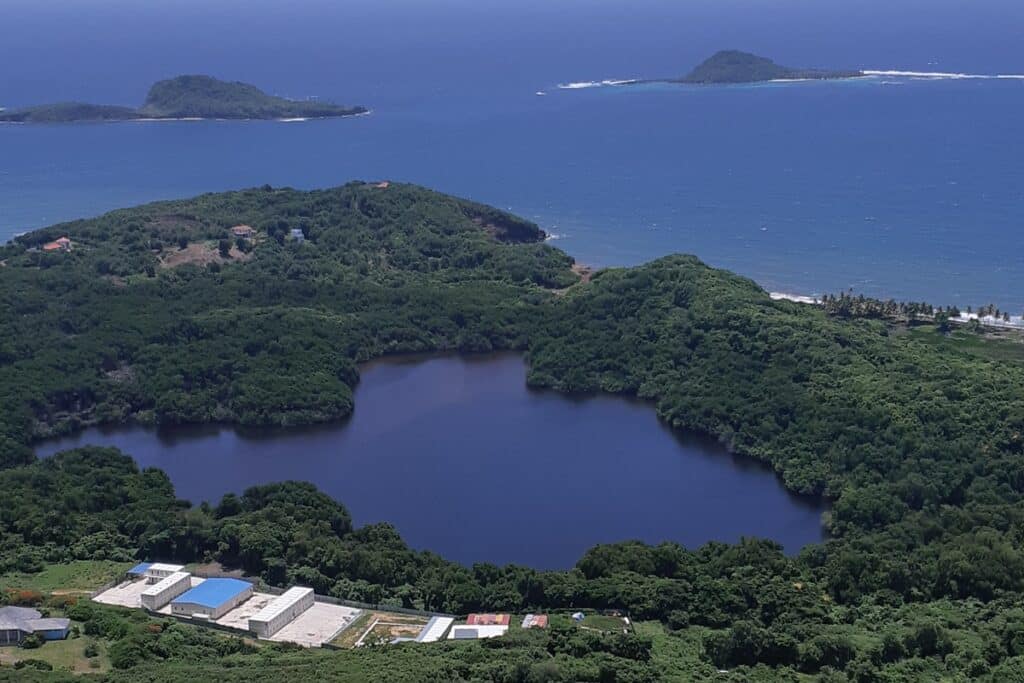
[207, 97]
[734, 66]
[191, 96]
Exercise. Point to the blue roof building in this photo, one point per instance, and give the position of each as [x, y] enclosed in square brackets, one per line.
[139, 569]
[212, 599]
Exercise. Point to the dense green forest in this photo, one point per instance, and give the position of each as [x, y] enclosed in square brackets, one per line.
[192, 96]
[159, 314]
[734, 66]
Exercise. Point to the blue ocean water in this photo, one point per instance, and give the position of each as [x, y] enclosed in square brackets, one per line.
[894, 186]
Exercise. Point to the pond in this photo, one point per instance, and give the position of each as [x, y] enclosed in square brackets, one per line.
[467, 461]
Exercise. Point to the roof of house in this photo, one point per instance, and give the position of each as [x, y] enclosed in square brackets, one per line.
[164, 567]
[29, 620]
[49, 624]
[213, 592]
[140, 568]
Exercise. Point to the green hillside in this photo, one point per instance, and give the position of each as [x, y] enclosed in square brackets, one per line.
[159, 314]
[734, 66]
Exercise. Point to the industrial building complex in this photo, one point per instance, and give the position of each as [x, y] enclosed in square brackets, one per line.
[296, 615]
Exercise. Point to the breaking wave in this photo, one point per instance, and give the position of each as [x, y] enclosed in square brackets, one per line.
[938, 75]
[579, 85]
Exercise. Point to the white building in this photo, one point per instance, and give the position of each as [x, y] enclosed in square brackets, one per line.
[472, 632]
[165, 590]
[281, 611]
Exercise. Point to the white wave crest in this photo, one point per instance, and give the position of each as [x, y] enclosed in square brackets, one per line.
[579, 85]
[938, 75]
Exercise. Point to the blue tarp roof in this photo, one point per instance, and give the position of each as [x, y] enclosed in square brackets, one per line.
[140, 568]
[213, 592]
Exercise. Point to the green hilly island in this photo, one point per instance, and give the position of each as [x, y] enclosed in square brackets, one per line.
[734, 66]
[193, 96]
[160, 314]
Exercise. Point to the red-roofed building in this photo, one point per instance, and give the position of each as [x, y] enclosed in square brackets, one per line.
[246, 231]
[59, 244]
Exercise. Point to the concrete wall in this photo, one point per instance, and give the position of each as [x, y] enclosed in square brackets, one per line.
[10, 636]
[60, 634]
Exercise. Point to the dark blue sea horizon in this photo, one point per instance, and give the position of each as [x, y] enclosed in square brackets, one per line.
[895, 187]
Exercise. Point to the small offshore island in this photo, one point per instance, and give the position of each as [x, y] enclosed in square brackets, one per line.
[186, 97]
[734, 66]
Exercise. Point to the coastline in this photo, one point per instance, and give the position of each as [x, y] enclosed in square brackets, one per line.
[191, 119]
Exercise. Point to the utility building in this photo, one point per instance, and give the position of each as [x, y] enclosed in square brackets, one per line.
[281, 611]
[154, 572]
[16, 623]
[212, 599]
[165, 590]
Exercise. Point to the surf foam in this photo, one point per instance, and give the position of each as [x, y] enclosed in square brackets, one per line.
[938, 75]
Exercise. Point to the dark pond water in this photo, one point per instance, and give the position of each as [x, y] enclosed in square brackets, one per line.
[466, 461]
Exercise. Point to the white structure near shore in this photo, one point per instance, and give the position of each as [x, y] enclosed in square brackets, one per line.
[165, 590]
[281, 611]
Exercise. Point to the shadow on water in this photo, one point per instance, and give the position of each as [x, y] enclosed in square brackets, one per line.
[465, 460]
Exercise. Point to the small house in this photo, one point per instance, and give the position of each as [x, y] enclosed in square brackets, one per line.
[244, 231]
[297, 235]
[17, 623]
[59, 244]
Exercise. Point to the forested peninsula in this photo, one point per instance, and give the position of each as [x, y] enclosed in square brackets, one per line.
[255, 307]
[186, 97]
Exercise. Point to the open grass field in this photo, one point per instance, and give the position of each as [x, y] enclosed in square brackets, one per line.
[600, 622]
[63, 655]
[1002, 346]
[82, 576]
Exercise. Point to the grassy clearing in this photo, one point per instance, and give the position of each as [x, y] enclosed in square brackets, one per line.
[63, 655]
[1004, 347]
[81, 576]
[600, 622]
[392, 625]
[350, 635]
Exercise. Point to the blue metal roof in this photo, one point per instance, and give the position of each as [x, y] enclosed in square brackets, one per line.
[213, 592]
[140, 568]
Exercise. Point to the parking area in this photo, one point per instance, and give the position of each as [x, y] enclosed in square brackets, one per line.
[124, 594]
[239, 617]
[317, 625]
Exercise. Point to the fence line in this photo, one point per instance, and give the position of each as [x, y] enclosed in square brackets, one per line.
[377, 607]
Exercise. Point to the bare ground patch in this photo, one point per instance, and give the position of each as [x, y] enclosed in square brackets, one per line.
[200, 254]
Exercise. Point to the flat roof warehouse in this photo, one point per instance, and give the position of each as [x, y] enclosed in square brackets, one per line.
[213, 592]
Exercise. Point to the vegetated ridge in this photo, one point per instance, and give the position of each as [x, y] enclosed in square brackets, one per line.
[734, 66]
[916, 437]
[187, 97]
